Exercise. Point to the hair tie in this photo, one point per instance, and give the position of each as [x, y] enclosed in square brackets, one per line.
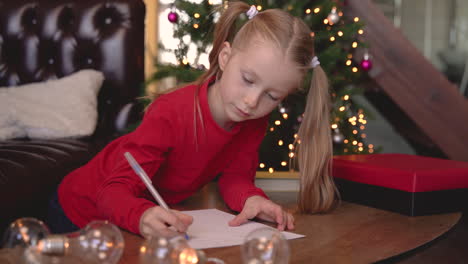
[315, 62]
[252, 12]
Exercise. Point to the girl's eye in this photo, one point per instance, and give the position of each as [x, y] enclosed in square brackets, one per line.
[272, 97]
[247, 80]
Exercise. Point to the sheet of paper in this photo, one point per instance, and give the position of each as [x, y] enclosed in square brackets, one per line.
[210, 229]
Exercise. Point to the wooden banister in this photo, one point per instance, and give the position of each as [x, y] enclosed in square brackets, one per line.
[413, 83]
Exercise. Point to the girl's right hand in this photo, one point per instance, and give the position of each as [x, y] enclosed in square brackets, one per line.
[157, 221]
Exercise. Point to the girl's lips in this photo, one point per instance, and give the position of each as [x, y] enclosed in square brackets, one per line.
[245, 114]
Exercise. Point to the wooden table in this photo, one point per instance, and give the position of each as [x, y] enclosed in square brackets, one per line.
[351, 234]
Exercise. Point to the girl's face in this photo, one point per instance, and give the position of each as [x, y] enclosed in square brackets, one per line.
[254, 81]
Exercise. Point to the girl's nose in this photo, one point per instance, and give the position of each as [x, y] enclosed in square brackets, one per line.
[251, 99]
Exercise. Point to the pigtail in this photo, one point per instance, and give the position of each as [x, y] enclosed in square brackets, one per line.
[317, 190]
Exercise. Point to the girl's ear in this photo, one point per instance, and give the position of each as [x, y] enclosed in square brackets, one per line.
[224, 55]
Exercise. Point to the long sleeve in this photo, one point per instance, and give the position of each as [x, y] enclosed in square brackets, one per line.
[122, 196]
[237, 181]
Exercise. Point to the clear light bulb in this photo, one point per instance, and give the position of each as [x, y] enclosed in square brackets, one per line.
[21, 236]
[265, 246]
[156, 250]
[160, 250]
[182, 253]
[98, 242]
[24, 232]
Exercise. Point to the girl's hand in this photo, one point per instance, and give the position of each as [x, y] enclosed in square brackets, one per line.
[157, 221]
[258, 206]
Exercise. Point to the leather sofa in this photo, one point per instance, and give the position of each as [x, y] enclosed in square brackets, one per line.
[48, 39]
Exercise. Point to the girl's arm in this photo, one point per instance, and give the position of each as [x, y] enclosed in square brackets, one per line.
[236, 183]
[122, 197]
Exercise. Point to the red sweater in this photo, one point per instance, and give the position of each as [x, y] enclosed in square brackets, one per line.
[164, 145]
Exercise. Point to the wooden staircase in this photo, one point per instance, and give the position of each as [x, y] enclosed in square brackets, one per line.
[419, 101]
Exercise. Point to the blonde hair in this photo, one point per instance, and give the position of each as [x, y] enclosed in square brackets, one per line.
[317, 189]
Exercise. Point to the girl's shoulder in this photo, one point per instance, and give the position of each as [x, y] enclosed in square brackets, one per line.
[176, 100]
[180, 95]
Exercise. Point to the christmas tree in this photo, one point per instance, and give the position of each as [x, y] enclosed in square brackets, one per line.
[337, 37]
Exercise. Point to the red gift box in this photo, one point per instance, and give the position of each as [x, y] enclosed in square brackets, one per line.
[408, 184]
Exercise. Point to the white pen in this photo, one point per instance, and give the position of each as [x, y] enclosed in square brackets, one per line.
[147, 181]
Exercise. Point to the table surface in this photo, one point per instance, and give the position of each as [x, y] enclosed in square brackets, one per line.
[352, 233]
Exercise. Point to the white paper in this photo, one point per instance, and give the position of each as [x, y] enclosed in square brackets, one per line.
[210, 229]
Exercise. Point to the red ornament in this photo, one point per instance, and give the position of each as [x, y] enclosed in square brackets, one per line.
[366, 63]
[173, 17]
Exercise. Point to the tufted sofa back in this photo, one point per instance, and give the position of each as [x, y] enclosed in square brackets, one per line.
[48, 39]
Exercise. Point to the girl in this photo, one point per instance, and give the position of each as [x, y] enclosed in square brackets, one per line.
[214, 127]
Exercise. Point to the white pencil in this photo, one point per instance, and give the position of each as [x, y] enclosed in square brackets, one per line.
[147, 181]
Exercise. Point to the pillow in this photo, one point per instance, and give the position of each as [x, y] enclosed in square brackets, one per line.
[65, 107]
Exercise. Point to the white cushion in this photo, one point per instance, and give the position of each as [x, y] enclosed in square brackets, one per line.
[65, 107]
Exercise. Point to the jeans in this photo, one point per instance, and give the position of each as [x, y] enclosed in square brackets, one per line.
[57, 221]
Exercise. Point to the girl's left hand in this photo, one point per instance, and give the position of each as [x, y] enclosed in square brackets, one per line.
[258, 206]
